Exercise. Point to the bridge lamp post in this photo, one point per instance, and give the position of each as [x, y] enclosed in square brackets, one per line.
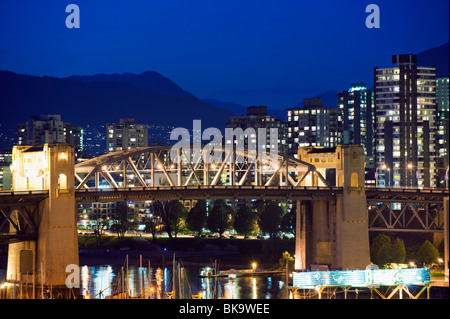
[411, 166]
[389, 173]
[446, 178]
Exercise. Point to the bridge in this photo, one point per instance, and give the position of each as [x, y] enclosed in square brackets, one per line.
[335, 210]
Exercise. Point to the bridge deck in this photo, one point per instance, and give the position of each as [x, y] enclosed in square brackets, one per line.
[206, 192]
[20, 198]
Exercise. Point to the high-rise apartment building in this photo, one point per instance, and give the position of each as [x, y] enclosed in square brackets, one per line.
[50, 129]
[356, 106]
[42, 129]
[312, 125]
[126, 135]
[405, 109]
[442, 133]
[257, 117]
[5, 171]
[442, 91]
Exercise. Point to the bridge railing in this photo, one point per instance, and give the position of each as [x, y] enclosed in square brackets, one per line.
[205, 187]
[408, 189]
[24, 192]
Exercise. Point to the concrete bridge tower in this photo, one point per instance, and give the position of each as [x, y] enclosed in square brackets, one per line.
[334, 231]
[55, 245]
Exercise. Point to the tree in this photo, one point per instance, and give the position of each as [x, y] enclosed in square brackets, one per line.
[288, 221]
[380, 251]
[121, 221]
[245, 221]
[220, 218]
[428, 253]
[172, 214]
[287, 257]
[98, 227]
[197, 216]
[398, 251]
[151, 225]
[270, 218]
[383, 256]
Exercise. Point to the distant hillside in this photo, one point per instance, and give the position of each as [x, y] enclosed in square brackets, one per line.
[148, 97]
[437, 57]
[239, 109]
[149, 80]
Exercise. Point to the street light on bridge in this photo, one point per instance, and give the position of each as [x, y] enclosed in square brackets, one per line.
[446, 178]
[389, 173]
[411, 166]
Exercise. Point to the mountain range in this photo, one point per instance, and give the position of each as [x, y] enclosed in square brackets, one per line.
[149, 97]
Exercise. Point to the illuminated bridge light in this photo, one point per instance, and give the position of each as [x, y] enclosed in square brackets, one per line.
[361, 278]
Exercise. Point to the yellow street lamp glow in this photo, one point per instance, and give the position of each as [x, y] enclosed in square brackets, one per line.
[254, 266]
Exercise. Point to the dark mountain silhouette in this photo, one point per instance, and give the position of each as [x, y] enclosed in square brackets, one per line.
[104, 99]
[239, 109]
[437, 57]
[149, 80]
[148, 97]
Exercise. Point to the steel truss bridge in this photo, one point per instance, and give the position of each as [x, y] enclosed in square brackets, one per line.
[149, 173]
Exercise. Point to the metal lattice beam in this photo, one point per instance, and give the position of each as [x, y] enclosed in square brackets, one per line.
[153, 166]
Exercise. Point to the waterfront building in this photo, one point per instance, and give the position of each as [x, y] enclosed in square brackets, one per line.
[442, 133]
[442, 94]
[50, 129]
[127, 134]
[356, 106]
[258, 117]
[5, 171]
[405, 110]
[312, 125]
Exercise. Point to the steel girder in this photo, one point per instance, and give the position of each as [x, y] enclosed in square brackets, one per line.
[153, 166]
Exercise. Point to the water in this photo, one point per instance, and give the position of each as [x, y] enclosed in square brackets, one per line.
[102, 281]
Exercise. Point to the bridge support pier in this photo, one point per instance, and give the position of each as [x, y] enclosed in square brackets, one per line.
[335, 232]
[55, 245]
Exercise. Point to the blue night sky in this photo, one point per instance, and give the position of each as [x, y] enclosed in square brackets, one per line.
[261, 52]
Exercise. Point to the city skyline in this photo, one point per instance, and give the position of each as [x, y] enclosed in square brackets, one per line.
[270, 54]
[206, 137]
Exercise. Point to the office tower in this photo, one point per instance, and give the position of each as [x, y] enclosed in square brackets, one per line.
[126, 135]
[50, 129]
[356, 106]
[312, 125]
[442, 133]
[258, 117]
[405, 108]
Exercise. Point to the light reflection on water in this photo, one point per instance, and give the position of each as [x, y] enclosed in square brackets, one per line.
[103, 281]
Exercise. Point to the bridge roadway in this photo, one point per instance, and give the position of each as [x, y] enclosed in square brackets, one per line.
[398, 194]
[206, 192]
